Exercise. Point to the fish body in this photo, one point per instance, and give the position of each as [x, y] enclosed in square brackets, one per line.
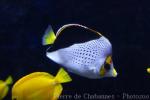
[87, 59]
[40, 86]
[4, 87]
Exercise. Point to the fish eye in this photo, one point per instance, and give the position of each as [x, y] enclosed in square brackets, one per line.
[107, 66]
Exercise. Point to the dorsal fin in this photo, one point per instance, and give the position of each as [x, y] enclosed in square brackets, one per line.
[70, 34]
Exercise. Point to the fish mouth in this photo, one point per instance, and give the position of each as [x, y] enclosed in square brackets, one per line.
[54, 56]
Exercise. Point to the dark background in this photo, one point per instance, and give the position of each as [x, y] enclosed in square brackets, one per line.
[124, 22]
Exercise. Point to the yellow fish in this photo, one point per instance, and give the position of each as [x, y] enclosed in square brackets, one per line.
[40, 86]
[148, 70]
[4, 87]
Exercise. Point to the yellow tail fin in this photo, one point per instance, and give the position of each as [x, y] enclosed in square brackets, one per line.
[9, 80]
[62, 76]
[4, 88]
[49, 36]
[4, 92]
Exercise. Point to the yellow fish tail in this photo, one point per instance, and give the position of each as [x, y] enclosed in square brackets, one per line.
[4, 93]
[49, 36]
[4, 87]
[62, 76]
[9, 80]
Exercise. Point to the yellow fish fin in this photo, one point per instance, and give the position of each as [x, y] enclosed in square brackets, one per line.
[114, 72]
[148, 70]
[9, 80]
[33, 75]
[57, 91]
[4, 92]
[49, 36]
[62, 76]
[4, 88]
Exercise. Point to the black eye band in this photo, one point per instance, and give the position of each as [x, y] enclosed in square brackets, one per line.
[107, 66]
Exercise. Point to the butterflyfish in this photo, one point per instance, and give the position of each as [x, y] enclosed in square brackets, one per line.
[91, 59]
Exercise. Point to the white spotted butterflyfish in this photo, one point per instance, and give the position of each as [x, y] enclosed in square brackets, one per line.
[91, 59]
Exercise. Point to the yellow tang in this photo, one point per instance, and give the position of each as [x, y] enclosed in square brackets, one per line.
[148, 70]
[4, 87]
[40, 86]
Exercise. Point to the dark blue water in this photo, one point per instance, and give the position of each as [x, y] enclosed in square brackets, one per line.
[125, 23]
